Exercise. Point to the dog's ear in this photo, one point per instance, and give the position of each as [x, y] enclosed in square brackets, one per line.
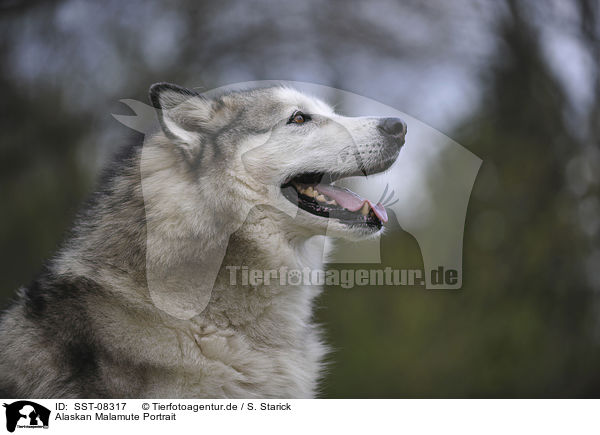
[181, 112]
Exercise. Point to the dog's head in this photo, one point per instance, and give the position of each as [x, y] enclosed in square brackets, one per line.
[283, 149]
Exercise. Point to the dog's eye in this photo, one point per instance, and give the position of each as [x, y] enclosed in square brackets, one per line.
[298, 118]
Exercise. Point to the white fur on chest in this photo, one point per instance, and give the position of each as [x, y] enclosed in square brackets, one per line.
[276, 353]
[260, 341]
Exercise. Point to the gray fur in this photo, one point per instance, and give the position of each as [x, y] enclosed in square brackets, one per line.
[88, 326]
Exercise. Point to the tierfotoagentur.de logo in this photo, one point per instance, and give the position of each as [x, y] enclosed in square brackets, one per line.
[436, 219]
[25, 414]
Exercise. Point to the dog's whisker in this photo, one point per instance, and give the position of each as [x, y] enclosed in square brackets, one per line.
[383, 194]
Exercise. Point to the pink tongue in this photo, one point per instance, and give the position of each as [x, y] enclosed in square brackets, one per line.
[350, 200]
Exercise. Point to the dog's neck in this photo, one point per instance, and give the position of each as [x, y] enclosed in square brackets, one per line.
[260, 274]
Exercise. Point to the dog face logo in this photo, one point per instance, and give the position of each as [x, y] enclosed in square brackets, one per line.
[26, 414]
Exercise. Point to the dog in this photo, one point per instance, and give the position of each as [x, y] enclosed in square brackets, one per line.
[125, 309]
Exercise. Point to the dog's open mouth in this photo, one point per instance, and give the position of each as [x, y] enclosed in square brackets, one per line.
[315, 194]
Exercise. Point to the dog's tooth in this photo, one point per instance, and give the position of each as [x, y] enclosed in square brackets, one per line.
[365, 209]
[320, 198]
[332, 202]
[309, 191]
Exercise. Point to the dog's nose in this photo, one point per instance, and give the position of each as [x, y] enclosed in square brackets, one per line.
[392, 126]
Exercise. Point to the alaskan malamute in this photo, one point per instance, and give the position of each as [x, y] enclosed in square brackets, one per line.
[139, 301]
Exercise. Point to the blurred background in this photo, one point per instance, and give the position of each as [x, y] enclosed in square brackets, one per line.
[515, 82]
